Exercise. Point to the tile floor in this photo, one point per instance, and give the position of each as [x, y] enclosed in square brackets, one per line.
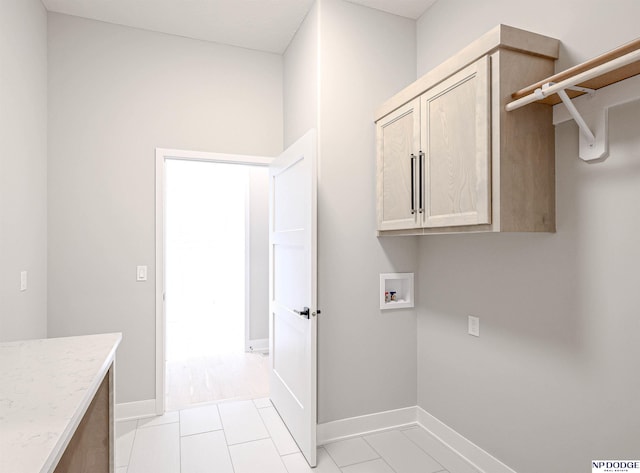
[250, 437]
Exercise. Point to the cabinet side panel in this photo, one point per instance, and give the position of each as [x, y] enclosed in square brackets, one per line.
[88, 449]
[527, 149]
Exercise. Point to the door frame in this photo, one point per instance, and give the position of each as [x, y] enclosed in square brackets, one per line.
[162, 154]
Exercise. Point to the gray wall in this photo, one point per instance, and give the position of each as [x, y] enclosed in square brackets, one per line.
[259, 253]
[367, 357]
[23, 169]
[586, 28]
[361, 368]
[300, 79]
[115, 94]
[552, 382]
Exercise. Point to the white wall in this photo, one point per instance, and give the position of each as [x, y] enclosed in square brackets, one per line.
[552, 382]
[23, 169]
[367, 357]
[115, 94]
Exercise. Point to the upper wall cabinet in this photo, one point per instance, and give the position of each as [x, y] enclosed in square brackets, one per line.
[451, 159]
[455, 137]
[398, 136]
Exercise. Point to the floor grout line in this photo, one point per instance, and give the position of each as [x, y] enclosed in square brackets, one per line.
[444, 468]
[133, 442]
[445, 446]
[200, 433]
[378, 453]
[179, 443]
[226, 442]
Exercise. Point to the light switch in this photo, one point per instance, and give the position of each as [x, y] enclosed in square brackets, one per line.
[474, 326]
[142, 273]
[23, 280]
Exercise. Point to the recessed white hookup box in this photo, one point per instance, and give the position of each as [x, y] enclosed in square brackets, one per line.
[396, 290]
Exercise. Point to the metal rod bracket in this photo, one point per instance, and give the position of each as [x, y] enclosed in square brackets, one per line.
[593, 142]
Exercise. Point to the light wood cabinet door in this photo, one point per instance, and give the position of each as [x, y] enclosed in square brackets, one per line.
[455, 135]
[398, 145]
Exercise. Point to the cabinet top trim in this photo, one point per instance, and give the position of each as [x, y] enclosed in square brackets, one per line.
[500, 37]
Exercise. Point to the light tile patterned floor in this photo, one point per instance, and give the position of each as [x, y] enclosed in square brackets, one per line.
[250, 437]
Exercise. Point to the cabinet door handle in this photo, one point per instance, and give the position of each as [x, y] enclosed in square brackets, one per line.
[413, 198]
[421, 159]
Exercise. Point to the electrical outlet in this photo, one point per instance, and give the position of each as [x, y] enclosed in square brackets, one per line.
[474, 326]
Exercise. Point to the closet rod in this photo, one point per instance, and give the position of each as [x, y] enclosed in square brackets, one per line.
[541, 93]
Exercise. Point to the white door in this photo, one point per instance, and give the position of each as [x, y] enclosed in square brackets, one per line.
[292, 290]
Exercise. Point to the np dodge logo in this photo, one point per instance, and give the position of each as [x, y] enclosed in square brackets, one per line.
[615, 466]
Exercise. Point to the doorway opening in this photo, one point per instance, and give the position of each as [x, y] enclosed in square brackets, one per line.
[215, 281]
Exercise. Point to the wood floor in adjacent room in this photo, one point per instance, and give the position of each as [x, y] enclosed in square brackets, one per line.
[216, 377]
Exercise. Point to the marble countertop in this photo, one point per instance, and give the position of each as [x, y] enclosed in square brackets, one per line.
[46, 387]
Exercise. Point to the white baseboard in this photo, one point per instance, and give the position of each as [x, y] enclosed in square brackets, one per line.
[135, 410]
[354, 426]
[259, 345]
[483, 461]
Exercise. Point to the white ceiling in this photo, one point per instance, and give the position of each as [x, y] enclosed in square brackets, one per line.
[265, 25]
[408, 8]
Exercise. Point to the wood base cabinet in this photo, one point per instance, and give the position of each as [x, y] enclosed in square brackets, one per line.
[451, 159]
[91, 449]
